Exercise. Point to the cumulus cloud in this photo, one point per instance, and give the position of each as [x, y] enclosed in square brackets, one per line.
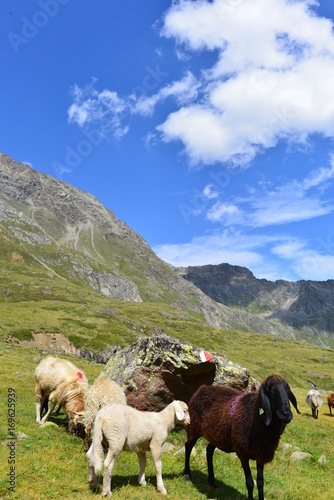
[272, 79]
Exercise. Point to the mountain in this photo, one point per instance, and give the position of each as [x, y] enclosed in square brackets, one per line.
[70, 266]
[69, 235]
[305, 306]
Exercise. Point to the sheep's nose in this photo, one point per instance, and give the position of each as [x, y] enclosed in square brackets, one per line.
[285, 415]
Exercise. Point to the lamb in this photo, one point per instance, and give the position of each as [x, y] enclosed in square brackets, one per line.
[330, 401]
[61, 381]
[125, 428]
[248, 423]
[103, 392]
[314, 400]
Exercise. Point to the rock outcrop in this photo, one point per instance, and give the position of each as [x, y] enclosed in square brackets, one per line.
[156, 370]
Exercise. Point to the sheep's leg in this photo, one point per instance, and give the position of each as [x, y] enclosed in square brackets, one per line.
[156, 455]
[259, 480]
[87, 430]
[142, 463]
[53, 402]
[39, 403]
[92, 477]
[107, 473]
[209, 458]
[249, 479]
[38, 410]
[44, 405]
[188, 448]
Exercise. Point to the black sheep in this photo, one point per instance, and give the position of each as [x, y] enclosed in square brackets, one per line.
[248, 423]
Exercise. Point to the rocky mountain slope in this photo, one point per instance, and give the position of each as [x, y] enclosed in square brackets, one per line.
[67, 241]
[70, 235]
[305, 306]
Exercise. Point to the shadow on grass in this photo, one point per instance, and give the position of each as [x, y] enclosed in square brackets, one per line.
[222, 492]
[119, 481]
[200, 482]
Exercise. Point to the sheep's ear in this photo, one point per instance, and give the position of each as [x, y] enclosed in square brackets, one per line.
[292, 398]
[264, 409]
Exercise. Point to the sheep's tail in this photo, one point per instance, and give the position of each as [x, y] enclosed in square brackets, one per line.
[96, 452]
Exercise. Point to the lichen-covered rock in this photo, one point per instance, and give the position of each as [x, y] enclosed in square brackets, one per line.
[156, 370]
[231, 373]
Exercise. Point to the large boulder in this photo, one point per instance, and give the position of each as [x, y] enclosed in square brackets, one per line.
[156, 370]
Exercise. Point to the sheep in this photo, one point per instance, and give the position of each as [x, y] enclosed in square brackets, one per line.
[61, 381]
[247, 423]
[314, 400]
[330, 401]
[125, 428]
[103, 392]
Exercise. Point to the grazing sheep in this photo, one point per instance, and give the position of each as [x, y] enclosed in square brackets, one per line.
[314, 400]
[61, 382]
[125, 428]
[330, 401]
[102, 393]
[248, 423]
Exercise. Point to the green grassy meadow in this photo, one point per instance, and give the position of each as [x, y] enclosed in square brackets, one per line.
[49, 463]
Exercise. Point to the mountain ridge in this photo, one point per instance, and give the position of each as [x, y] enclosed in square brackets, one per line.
[303, 305]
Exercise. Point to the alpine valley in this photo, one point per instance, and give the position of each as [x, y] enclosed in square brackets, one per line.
[69, 267]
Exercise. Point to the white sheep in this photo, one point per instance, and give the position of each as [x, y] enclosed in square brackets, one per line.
[102, 393]
[125, 428]
[314, 400]
[61, 381]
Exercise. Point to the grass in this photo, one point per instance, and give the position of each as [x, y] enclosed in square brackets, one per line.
[49, 463]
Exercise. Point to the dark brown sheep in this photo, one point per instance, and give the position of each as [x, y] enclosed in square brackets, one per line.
[248, 423]
[330, 401]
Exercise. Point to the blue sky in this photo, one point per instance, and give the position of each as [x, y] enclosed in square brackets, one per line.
[207, 126]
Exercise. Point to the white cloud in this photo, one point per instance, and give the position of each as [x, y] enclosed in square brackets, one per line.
[292, 201]
[184, 91]
[209, 192]
[308, 264]
[103, 109]
[272, 80]
[222, 212]
[267, 205]
[293, 259]
[214, 249]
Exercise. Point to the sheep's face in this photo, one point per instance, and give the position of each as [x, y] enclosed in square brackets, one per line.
[280, 403]
[274, 395]
[181, 412]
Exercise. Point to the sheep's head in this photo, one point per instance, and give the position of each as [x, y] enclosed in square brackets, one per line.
[181, 412]
[77, 424]
[274, 397]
